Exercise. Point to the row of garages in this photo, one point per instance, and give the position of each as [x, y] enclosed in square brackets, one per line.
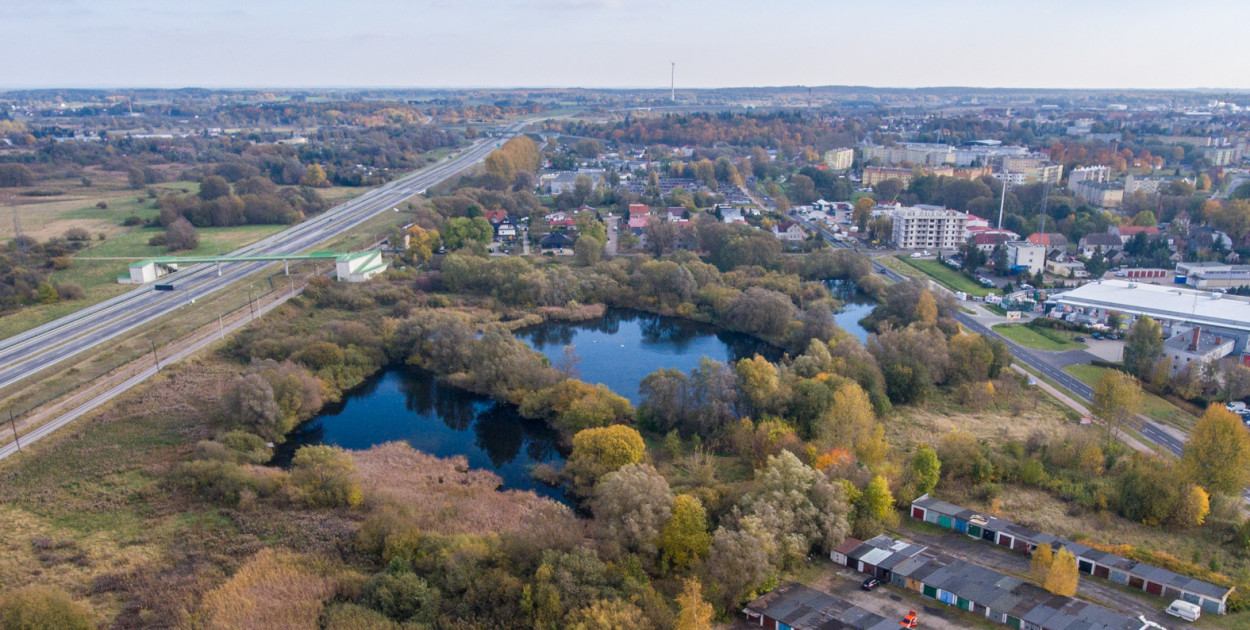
[1004, 599]
[1138, 575]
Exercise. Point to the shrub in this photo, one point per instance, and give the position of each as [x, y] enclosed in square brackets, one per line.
[132, 220]
[402, 596]
[77, 234]
[61, 263]
[102, 205]
[325, 476]
[158, 240]
[37, 607]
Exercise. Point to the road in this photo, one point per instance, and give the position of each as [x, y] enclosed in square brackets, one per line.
[26, 354]
[1149, 429]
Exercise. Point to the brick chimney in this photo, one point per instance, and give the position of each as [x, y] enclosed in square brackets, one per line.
[1193, 345]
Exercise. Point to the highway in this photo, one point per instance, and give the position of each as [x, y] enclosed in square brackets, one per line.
[1027, 356]
[26, 354]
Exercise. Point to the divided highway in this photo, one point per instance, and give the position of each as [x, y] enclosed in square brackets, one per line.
[26, 354]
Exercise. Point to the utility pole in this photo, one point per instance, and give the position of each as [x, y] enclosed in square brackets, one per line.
[13, 423]
[250, 308]
[221, 328]
[155, 358]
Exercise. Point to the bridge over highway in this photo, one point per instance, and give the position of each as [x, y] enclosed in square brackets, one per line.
[24, 355]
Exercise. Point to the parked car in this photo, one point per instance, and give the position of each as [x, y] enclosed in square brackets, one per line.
[1096, 336]
[870, 584]
[1078, 338]
[1112, 336]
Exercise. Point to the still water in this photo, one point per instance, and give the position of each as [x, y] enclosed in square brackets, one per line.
[618, 350]
[855, 308]
[623, 347]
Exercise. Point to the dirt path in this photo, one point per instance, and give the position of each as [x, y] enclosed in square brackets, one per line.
[1067, 400]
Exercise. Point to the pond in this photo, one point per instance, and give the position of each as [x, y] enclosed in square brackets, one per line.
[856, 307]
[401, 403]
[624, 346]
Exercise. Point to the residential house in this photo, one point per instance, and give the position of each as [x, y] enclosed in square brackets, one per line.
[677, 214]
[639, 217]
[1108, 242]
[1090, 561]
[1066, 269]
[1053, 241]
[556, 241]
[987, 241]
[789, 231]
[1127, 232]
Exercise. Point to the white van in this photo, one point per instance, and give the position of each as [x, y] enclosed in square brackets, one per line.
[1184, 610]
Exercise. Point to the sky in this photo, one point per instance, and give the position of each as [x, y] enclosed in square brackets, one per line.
[1147, 44]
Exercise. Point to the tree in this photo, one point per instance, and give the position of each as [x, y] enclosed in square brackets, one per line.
[863, 213]
[851, 423]
[325, 476]
[1117, 400]
[402, 596]
[1062, 578]
[925, 470]
[588, 250]
[736, 564]
[599, 451]
[39, 607]
[1193, 508]
[214, 186]
[422, 243]
[14, 175]
[874, 511]
[314, 177]
[926, 310]
[758, 380]
[181, 235]
[802, 189]
[798, 507]
[692, 612]
[685, 538]
[631, 506]
[460, 231]
[250, 401]
[1040, 562]
[1217, 455]
[1143, 347]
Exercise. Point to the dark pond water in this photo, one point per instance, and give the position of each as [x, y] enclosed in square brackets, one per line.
[617, 350]
[624, 346]
[856, 308]
[404, 404]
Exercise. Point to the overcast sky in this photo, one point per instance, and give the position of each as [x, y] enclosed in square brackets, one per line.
[624, 43]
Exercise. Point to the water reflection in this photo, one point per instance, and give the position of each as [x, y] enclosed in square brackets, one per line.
[855, 307]
[409, 405]
[624, 346]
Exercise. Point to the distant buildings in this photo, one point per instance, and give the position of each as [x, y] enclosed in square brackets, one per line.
[840, 159]
[1195, 346]
[928, 227]
[1212, 275]
[789, 231]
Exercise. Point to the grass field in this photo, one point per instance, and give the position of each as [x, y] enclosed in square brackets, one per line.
[1039, 338]
[947, 277]
[1152, 405]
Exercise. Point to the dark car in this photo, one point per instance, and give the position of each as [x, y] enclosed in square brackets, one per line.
[1096, 336]
[870, 584]
[1112, 336]
[1078, 338]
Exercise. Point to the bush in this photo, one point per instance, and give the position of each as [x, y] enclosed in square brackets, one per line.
[102, 205]
[77, 234]
[158, 240]
[132, 221]
[402, 596]
[325, 476]
[61, 263]
[38, 607]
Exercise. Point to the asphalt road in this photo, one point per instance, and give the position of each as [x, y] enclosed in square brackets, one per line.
[26, 354]
[1027, 356]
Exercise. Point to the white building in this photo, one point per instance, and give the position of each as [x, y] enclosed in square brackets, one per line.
[1195, 346]
[928, 227]
[1095, 174]
[840, 159]
[1024, 254]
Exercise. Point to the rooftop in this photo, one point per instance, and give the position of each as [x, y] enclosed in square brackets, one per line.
[1163, 302]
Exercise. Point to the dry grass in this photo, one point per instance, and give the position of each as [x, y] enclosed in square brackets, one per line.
[445, 495]
[274, 589]
[1014, 416]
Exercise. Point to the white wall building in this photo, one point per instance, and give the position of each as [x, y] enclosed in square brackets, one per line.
[928, 227]
[1027, 255]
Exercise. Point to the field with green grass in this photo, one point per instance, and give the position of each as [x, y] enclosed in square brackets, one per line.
[947, 277]
[1039, 338]
[1153, 406]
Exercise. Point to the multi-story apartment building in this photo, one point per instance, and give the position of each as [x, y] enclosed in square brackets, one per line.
[911, 152]
[928, 227]
[840, 159]
[1096, 174]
